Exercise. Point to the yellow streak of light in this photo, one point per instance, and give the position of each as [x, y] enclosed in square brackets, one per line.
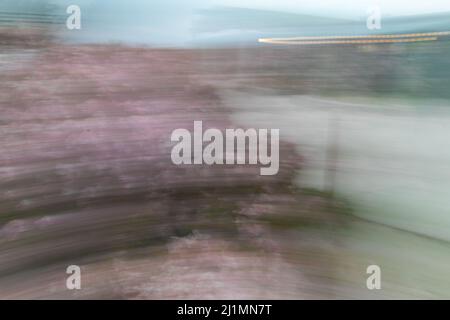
[361, 41]
[382, 36]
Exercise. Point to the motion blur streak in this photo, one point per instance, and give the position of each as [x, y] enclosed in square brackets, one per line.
[86, 176]
[407, 35]
[275, 41]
